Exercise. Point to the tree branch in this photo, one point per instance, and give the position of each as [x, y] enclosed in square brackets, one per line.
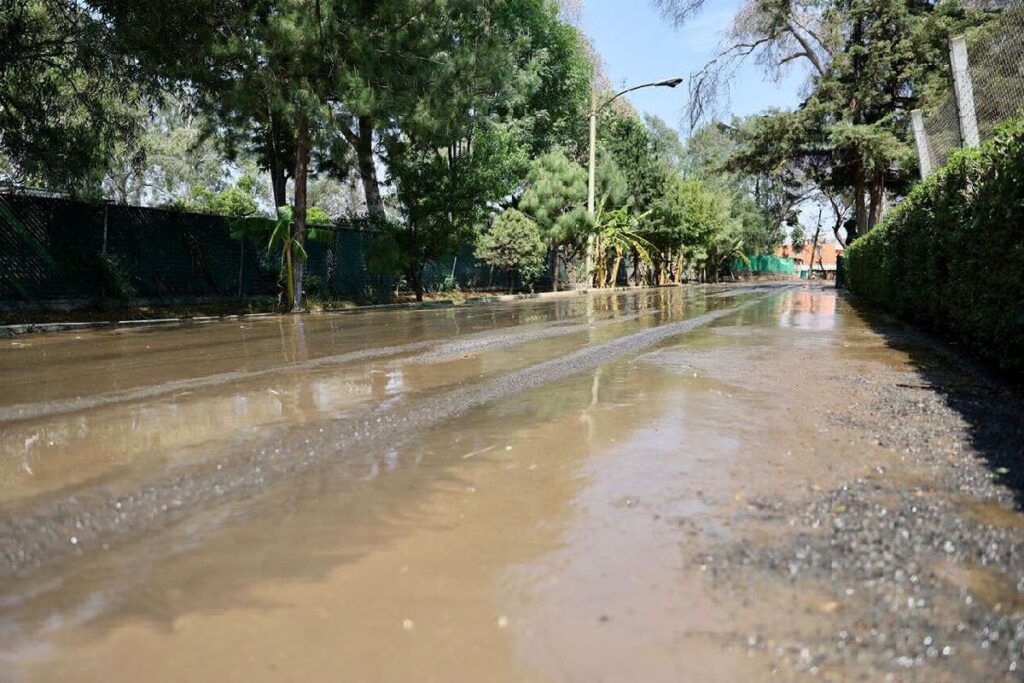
[806, 45]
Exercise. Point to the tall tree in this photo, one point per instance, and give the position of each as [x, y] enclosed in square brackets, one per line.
[421, 73]
[555, 198]
[666, 143]
[868, 62]
[446, 193]
[259, 68]
[172, 155]
[67, 93]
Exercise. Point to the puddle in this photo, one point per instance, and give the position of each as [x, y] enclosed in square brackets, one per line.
[544, 533]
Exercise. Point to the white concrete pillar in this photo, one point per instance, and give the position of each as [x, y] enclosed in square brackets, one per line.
[964, 91]
[924, 154]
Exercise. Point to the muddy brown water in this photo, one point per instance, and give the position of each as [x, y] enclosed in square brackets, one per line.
[546, 532]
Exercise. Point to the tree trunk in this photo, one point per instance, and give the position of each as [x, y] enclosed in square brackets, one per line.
[554, 266]
[814, 248]
[860, 209]
[299, 216]
[368, 170]
[600, 262]
[615, 268]
[279, 184]
[278, 170]
[877, 199]
[415, 276]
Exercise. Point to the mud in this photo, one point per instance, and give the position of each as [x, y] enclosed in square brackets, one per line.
[712, 484]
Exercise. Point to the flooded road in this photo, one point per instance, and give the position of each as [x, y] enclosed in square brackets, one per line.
[560, 489]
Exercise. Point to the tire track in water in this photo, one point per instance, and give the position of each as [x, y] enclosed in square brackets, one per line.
[92, 519]
[442, 349]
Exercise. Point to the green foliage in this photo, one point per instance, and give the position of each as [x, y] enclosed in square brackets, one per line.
[557, 71]
[797, 238]
[556, 198]
[172, 155]
[280, 240]
[668, 220]
[666, 143]
[765, 194]
[951, 254]
[870, 62]
[236, 201]
[624, 139]
[66, 96]
[317, 216]
[711, 234]
[618, 233]
[513, 243]
[445, 192]
[705, 211]
[114, 282]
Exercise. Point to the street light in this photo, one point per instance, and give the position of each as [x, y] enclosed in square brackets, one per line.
[591, 187]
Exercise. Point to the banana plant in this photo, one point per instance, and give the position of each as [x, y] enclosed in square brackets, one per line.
[617, 231]
[277, 234]
[723, 250]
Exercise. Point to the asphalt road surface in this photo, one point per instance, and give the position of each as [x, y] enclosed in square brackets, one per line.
[762, 482]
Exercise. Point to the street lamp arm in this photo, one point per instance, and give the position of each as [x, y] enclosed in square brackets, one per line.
[669, 83]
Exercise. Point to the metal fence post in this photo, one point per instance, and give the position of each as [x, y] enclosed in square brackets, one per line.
[106, 221]
[964, 91]
[241, 264]
[924, 154]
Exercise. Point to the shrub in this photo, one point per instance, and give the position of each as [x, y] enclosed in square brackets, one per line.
[514, 244]
[113, 280]
[951, 255]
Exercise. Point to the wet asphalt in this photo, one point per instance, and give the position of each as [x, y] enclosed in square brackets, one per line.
[914, 553]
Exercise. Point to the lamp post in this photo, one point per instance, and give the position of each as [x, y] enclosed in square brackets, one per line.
[592, 185]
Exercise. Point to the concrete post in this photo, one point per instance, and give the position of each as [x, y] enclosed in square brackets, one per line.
[924, 155]
[964, 91]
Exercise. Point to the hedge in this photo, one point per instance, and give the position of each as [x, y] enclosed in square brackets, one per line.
[951, 255]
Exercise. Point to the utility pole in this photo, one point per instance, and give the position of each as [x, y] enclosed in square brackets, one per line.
[592, 181]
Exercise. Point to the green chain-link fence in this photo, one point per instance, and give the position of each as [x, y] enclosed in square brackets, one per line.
[997, 82]
[59, 249]
[765, 264]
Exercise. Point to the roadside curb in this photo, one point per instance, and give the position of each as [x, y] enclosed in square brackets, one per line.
[7, 331]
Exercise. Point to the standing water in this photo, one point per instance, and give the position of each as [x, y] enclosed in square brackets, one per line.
[505, 492]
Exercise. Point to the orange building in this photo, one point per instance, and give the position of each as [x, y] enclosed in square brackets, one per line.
[823, 263]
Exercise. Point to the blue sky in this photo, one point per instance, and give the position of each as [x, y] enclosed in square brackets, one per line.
[639, 46]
